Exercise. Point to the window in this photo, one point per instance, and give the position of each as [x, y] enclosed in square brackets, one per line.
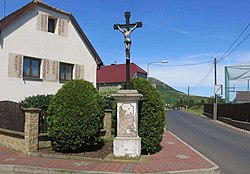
[31, 67]
[51, 25]
[66, 71]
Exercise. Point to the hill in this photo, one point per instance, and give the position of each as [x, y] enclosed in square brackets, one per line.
[176, 98]
[157, 82]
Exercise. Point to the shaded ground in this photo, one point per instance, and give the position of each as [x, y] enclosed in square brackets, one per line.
[95, 152]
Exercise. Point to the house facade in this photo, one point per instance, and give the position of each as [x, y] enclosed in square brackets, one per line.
[242, 97]
[41, 47]
[114, 76]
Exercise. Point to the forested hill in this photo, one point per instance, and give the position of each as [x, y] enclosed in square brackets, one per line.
[176, 98]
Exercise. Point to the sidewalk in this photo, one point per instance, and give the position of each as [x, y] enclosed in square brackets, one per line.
[174, 157]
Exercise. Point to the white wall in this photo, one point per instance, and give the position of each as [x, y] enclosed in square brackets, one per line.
[22, 37]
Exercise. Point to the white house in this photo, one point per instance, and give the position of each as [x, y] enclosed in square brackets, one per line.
[41, 47]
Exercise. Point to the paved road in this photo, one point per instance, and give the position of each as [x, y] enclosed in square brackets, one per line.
[227, 147]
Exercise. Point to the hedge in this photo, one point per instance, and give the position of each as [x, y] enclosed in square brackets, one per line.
[75, 117]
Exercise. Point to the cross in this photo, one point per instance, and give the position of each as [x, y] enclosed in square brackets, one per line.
[129, 28]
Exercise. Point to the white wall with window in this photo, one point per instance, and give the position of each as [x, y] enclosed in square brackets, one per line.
[39, 52]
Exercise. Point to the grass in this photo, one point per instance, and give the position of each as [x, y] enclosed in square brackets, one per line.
[197, 110]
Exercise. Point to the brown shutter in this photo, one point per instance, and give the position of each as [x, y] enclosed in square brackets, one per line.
[79, 72]
[15, 66]
[42, 21]
[63, 27]
[50, 70]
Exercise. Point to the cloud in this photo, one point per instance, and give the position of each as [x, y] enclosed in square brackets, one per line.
[172, 29]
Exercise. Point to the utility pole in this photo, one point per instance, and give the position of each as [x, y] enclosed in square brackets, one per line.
[188, 97]
[215, 83]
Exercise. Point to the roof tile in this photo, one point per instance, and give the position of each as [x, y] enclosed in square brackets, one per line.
[116, 73]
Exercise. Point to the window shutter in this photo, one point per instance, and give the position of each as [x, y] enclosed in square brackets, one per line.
[50, 70]
[42, 21]
[79, 72]
[63, 27]
[15, 66]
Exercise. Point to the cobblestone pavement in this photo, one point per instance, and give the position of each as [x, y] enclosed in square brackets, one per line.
[174, 156]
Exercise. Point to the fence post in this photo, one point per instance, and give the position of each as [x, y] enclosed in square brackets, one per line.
[215, 111]
[31, 129]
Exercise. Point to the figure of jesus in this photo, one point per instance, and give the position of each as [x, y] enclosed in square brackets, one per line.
[126, 34]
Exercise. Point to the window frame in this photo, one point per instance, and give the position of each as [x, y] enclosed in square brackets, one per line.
[50, 18]
[65, 73]
[30, 75]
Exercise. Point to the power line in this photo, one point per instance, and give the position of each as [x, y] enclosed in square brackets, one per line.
[225, 54]
[203, 79]
[235, 48]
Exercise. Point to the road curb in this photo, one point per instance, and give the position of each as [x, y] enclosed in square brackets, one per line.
[16, 169]
[213, 170]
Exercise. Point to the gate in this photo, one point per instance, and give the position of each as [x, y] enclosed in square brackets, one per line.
[42, 122]
[12, 117]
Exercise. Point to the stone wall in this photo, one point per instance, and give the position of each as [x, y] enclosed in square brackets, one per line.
[44, 141]
[12, 140]
[24, 142]
[30, 140]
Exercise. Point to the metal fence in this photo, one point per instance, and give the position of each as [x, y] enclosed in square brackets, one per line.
[42, 122]
[239, 112]
[12, 117]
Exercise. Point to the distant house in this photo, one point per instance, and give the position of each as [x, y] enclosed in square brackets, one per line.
[242, 97]
[114, 76]
[41, 47]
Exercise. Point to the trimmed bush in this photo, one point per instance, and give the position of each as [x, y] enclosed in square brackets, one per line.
[152, 115]
[37, 101]
[75, 117]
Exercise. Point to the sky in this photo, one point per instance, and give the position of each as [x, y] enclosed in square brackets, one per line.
[181, 31]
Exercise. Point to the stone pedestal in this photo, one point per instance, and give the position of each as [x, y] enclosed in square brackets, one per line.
[127, 143]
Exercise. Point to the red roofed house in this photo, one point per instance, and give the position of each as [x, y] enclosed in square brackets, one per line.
[242, 97]
[114, 76]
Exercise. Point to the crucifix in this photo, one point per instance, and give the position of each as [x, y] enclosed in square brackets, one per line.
[128, 29]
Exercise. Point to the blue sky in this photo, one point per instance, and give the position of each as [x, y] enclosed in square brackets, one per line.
[181, 31]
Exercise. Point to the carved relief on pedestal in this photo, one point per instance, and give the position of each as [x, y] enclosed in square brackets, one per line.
[127, 122]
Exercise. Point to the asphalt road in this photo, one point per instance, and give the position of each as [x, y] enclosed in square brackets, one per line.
[225, 146]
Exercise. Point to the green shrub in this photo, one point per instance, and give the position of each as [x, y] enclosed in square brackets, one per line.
[38, 101]
[75, 117]
[107, 98]
[152, 115]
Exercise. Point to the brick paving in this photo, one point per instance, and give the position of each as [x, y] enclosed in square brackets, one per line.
[173, 156]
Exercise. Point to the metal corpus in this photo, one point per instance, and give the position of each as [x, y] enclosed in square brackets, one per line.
[128, 26]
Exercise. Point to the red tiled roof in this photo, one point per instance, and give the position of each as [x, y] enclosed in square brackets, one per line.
[242, 95]
[117, 73]
[23, 10]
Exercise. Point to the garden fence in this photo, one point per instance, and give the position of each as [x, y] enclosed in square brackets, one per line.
[239, 112]
[12, 117]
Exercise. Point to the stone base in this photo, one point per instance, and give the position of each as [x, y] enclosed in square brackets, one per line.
[127, 147]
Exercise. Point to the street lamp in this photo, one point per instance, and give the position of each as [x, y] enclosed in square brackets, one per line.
[150, 63]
